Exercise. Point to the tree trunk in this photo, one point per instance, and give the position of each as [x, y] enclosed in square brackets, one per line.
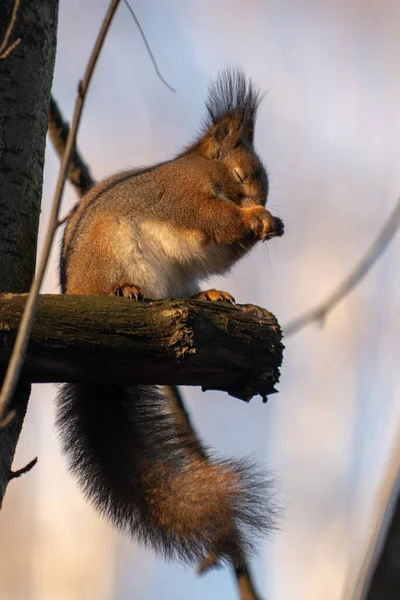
[385, 584]
[25, 83]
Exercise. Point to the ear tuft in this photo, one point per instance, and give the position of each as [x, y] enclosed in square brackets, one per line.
[232, 96]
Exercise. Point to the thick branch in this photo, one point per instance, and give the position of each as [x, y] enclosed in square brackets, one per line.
[105, 339]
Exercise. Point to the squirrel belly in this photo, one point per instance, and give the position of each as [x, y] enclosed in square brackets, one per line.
[161, 230]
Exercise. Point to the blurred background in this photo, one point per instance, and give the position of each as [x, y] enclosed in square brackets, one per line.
[329, 134]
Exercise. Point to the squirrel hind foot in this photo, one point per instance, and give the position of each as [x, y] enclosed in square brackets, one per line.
[127, 290]
[215, 296]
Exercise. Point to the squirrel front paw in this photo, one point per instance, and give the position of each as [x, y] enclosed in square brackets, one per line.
[261, 223]
[214, 296]
[127, 290]
[278, 229]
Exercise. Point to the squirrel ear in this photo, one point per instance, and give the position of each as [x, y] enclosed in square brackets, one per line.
[221, 132]
[247, 131]
[222, 138]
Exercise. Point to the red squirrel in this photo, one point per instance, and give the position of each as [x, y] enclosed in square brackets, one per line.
[155, 233]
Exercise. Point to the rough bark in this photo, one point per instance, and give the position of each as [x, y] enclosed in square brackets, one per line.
[105, 339]
[25, 83]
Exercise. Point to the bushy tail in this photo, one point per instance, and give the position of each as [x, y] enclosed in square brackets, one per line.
[143, 469]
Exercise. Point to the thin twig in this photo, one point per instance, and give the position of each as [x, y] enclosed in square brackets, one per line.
[19, 472]
[10, 48]
[17, 357]
[65, 218]
[320, 312]
[4, 50]
[8, 418]
[153, 60]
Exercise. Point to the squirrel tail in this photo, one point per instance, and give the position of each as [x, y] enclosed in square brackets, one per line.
[139, 466]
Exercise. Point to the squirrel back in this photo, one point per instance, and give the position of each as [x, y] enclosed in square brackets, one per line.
[155, 232]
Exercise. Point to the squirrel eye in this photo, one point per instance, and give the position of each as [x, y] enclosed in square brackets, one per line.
[239, 175]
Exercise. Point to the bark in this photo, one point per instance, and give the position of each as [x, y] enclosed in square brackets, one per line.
[25, 83]
[105, 339]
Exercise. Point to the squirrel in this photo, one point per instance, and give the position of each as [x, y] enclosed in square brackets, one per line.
[155, 233]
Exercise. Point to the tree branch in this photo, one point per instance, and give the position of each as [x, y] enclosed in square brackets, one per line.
[105, 339]
[26, 469]
[320, 312]
[5, 47]
[78, 172]
[147, 45]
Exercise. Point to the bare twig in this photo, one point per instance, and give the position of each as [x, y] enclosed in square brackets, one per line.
[5, 49]
[65, 218]
[79, 172]
[153, 60]
[8, 418]
[28, 316]
[19, 472]
[10, 48]
[245, 584]
[320, 312]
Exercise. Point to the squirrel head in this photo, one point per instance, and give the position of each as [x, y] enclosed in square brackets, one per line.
[247, 169]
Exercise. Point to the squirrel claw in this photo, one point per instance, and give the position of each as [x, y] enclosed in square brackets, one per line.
[215, 296]
[127, 290]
